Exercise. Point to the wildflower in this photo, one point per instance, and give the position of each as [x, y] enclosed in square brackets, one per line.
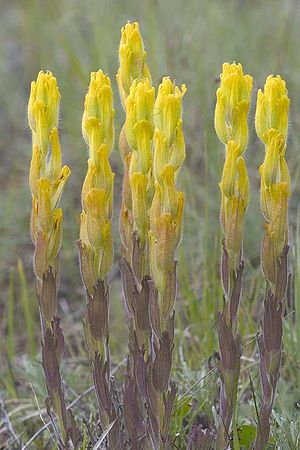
[97, 190]
[231, 113]
[271, 126]
[47, 179]
[271, 123]
[167, 205]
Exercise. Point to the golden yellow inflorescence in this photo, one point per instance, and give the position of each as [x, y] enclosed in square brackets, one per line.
[231, 114]
[167, 206]
[97, 191]
[139, 131]
[271, 121]
[47, 177]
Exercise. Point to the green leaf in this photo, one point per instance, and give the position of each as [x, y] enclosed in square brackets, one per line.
[246, 434]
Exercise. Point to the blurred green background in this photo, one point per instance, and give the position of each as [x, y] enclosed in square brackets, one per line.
[188, 40]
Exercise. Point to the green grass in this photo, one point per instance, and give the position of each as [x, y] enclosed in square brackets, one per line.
[189, 41]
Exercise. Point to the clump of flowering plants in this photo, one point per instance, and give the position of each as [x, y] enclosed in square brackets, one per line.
[152, 147]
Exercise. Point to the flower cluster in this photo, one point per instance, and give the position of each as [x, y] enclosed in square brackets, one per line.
[271, 123]
[137, 95]
[139, 132]
[47, 177]
[167, 206]
[233, 100]
[97, 191]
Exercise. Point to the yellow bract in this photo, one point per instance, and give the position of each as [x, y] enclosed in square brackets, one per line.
[233, 100]
[132, 59]
[168, 138]
[272, 108]
[139, 184]
[139, 124]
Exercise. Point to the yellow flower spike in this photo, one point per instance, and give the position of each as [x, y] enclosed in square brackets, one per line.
[167, 110]
[233, 101]
[167, 204]
[34, 172]
[43, 108]
[98, 116]
[95, 217]
[138, 183]
[45, 215]
[132, 59]
[58, 186]
[54, 165]
[272, 108]
[97, 190]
